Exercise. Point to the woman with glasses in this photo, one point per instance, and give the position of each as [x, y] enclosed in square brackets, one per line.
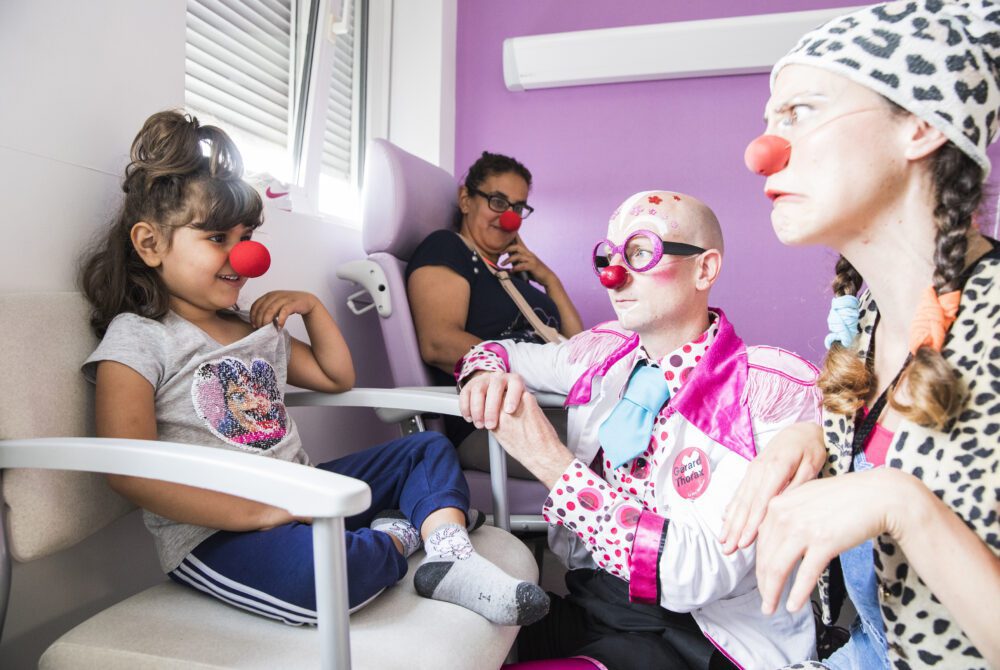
[457, 301]
[877, 130]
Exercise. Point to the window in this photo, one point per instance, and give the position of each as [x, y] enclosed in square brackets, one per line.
[248, 66]
[338, 180]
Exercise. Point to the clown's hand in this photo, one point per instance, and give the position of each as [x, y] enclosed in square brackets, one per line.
[486, 394]
[528, 436]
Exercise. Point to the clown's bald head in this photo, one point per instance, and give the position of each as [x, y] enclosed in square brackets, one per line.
[673, 216]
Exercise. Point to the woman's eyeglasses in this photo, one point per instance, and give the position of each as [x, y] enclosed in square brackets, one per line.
[641, 251]
[500, 204]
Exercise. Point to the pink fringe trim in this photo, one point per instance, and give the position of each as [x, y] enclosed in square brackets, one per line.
[773, 397]
[596, 344]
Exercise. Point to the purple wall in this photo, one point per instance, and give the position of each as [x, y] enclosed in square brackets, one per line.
[589, 147]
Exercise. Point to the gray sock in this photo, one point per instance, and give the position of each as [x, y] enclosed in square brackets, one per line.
[393, 522]
[455, 573]
[474, 518]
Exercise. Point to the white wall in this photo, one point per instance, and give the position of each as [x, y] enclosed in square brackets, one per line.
[77, 79]
[419, 68]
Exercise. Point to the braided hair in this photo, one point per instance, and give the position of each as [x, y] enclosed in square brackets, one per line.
[931, 388]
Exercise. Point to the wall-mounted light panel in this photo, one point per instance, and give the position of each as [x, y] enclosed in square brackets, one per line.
[737, 45]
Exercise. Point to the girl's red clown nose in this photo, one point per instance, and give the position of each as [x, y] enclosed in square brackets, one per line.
[250, 259]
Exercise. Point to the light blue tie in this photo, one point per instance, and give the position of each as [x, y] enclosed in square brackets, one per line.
[625, 433]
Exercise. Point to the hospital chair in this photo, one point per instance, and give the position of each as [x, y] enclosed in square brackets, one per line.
[405, 199]
[53, 501]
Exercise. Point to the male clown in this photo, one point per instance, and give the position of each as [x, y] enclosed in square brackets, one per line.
[666, 408]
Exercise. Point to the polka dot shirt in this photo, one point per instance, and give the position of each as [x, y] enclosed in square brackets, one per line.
[604, 511]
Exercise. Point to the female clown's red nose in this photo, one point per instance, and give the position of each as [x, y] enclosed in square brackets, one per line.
[767, 154]
[613, 276]
[510, 221]
[249, 258]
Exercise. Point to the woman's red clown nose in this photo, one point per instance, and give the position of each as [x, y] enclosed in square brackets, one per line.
[510, 221]
[767, 154]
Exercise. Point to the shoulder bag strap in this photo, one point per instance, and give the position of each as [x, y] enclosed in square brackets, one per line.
[546, 332]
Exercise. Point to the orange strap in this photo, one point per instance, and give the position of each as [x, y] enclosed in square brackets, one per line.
[934, 317]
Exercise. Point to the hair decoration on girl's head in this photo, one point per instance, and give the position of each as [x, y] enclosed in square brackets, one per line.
[901, 50]
[934, 317]
[843, 320]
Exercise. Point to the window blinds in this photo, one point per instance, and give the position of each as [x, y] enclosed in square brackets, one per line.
[338, 134]
[238, 65]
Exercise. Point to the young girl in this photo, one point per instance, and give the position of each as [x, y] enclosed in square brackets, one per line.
[878, 127]
[177, 361]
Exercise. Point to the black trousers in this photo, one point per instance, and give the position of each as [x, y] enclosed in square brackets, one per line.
[597, 620]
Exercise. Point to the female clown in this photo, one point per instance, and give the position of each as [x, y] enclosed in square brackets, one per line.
[876, 138]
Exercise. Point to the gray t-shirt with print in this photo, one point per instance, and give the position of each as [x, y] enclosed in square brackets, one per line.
[228, 397]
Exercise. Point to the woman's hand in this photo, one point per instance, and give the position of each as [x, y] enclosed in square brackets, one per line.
[792, 457]
[821, 519]
[485, 393]
[276, 306]
[521, 259]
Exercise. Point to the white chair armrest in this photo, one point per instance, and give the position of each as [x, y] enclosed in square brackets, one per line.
[302, 490]
[433, 399]
[418, 399]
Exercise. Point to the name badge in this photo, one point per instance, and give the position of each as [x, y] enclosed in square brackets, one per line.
[691, 473]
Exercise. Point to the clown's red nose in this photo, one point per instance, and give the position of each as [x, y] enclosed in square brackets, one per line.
[613, 276]
[250, 259]
[767, 154]
[510, 221]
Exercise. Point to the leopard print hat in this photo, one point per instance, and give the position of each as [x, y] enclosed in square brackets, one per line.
[938, 59]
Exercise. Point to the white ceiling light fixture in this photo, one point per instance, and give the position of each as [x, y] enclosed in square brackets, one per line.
[712, 47]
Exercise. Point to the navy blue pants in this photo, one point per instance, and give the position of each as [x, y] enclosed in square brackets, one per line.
[271, 571]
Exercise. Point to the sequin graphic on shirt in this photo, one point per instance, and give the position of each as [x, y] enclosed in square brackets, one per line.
[240, 405]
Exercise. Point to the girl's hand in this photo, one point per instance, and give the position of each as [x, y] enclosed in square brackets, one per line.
[820, 520]
[276, 306]
[521, 259]
[792, 457]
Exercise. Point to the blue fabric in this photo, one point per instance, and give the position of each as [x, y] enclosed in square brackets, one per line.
[867, 647]
[843, 320]
[625, 433]
[417, 474]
